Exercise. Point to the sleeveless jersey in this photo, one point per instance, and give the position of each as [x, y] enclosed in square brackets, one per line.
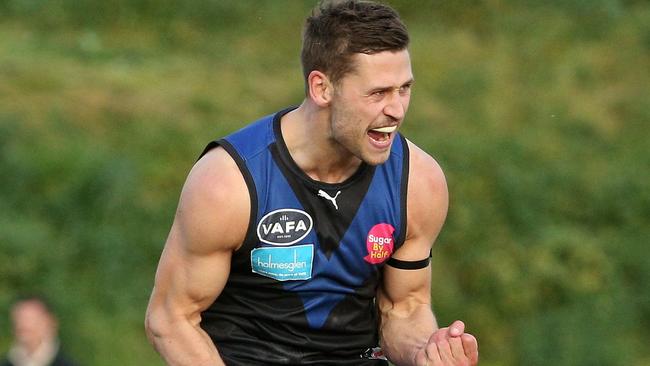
[301, 287]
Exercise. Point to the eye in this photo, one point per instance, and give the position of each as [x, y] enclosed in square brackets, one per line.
[377, 95]
[405, 89]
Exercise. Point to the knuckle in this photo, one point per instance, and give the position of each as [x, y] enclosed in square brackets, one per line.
[439, 334]
[431, 350]
[442, 342]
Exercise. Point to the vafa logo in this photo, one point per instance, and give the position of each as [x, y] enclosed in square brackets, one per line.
[284, 226]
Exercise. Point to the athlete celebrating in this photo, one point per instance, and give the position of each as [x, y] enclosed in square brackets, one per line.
[304, 238]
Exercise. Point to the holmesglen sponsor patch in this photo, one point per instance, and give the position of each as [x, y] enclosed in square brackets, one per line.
[283, 264]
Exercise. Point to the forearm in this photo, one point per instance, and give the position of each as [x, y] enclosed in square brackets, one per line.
[181, 343]
[404, 333]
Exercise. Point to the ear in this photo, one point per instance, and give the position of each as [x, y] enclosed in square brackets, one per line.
[320, 88]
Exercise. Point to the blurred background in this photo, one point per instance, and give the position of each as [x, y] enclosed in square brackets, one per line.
[539, 113]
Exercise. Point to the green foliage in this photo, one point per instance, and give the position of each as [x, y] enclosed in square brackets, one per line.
[537, 111]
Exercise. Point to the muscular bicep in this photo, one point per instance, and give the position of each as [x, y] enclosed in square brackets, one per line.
[188, 281]
[210, 223]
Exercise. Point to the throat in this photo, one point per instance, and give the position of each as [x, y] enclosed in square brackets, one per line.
[332, 172]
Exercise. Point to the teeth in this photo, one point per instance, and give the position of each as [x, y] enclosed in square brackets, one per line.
[385, 129]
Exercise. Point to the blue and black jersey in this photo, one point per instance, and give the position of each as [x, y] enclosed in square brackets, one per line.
[302, 286]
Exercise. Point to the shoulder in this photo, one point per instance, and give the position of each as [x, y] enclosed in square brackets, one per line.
[426, 179]
[214, 182]
[214, 201]
[427, 201]
[213, 175]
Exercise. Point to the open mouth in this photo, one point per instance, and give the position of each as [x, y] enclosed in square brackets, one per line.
[382, 134]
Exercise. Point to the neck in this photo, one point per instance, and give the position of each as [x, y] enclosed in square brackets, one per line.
[307, 134]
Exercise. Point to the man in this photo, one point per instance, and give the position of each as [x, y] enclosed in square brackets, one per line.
[304, 238]
[36, 335]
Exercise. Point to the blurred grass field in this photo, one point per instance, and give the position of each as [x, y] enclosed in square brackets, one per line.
[539, 113]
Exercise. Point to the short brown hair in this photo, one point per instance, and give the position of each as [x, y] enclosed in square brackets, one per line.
[336, 30]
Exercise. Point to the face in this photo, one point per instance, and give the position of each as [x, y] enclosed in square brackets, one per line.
[33, 324]
[369, 104]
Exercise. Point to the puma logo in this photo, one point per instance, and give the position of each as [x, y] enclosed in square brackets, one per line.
[324, 194]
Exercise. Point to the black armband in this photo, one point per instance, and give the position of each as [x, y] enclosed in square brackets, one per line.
[409, 265]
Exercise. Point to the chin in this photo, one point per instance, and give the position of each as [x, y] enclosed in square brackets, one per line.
[377, 159]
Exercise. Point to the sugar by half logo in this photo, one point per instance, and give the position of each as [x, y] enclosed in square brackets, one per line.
[284, 227]
[380, 243]
[283, 264]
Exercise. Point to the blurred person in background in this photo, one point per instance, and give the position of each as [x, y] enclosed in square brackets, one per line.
[295, 241]
[36, 341]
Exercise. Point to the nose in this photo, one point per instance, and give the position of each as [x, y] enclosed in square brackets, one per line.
[395, 108]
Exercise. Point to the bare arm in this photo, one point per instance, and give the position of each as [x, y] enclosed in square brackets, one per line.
[210, 224]
[404, 300]
[408, 328]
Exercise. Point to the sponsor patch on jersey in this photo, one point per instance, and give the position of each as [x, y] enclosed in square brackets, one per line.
[283, 264]
[380, 243]
[284, 227]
